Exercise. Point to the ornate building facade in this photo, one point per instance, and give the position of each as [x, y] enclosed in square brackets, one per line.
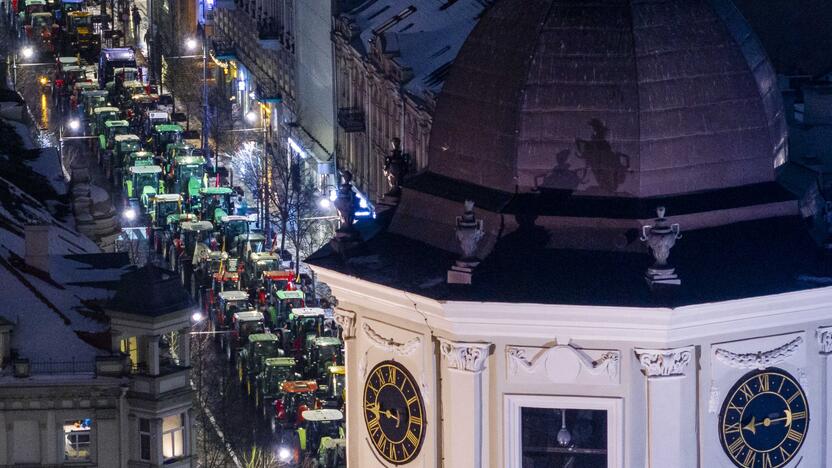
[391, 58]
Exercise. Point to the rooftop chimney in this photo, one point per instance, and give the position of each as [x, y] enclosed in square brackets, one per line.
[37, 246]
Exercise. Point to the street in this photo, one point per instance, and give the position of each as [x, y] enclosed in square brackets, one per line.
[230, 430]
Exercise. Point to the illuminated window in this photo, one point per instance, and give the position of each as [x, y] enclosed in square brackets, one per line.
[144, 439]
[545, 431]
[77, 440]
[173, 436]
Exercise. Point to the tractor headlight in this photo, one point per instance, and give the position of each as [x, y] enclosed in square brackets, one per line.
[284, 454]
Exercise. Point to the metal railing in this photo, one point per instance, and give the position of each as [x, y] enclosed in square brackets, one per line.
[61, 367]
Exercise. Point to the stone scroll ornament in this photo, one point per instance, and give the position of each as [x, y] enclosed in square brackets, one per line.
[468, 357]
[760, 359]
[664, 362]
[346, 320]
[389, 344]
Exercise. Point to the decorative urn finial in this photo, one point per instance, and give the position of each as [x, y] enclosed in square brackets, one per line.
[469, 233]
[346, 236]
[395, 168]
[660, 238]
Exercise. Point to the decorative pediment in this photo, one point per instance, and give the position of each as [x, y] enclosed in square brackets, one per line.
[563, 364]
[665, 362]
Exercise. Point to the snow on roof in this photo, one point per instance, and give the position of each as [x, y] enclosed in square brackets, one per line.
[424, 35]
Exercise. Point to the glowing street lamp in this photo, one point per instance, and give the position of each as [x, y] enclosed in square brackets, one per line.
[251, 116]
[27, 52]
[191, 44]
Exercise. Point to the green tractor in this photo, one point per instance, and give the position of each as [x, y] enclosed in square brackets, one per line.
[100, 115]
[107, 142]
[139, 158]
[165, 208]
[91, 100]
[143, 183]
[123, 146]
[188, 174]
[164, 135]
[269, 383]
[232, 226]
[214, 203]
[252, 355]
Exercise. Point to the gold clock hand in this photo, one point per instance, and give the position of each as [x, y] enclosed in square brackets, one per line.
[751, 427]
[374, 408]
[768, 421]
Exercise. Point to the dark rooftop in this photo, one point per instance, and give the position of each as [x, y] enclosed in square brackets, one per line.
[150, 291]
[749, 259]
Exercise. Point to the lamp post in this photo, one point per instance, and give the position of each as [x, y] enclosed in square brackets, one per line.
[191, 44]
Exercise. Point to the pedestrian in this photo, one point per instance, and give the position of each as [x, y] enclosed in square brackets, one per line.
[137, 19]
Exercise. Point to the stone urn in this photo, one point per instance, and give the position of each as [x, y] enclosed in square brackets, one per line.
[660, 238]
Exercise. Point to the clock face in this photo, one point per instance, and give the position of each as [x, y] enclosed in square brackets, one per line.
[394, 412]
[764, 419]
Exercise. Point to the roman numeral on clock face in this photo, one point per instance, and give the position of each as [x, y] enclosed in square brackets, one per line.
[736, 446]
[797, 437]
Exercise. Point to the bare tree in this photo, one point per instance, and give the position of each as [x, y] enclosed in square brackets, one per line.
[183, 84]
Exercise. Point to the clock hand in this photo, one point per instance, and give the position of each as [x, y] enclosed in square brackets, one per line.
[768, 421]
[374, 408]
[391, 415]
[751, 427]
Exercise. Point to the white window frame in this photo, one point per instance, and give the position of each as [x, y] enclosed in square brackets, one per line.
[66, 442]
[513, 436]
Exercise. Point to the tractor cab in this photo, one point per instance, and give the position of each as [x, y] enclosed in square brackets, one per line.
[164, 135]
[304, 324]
[322, 352]
[66, 76]
[246, 244]
[153, 118]
[143, 183]
[256, 264]
[251, 356]
[165, 205]
[322, 433]
[297, 396]
[123, 146]
[232, 226]
[91, 100]
[195, 233]
[276, 371]
[41, 31]
[225, 280]
[140, 105]
[227, 304]
[124, 95]
[243, 325]
[188, 175]
[100, 115]
[80, 38]
[30, 8]
[107, 141]
[215, 202]
[67, 6]
[139, 158]
[332, 387]
[283, 303]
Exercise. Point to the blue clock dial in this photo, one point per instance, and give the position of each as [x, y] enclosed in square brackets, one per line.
[764, 419]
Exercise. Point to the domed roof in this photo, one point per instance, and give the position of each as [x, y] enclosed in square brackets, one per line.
[614, 98]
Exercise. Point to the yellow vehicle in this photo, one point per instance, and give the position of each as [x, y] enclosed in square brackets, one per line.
[79, 37]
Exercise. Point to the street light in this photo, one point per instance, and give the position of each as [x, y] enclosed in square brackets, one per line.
[251, 116]
[27, 52]
[74, 125]
[191, 44]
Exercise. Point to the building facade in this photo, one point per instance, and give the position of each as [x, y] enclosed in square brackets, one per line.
[391, 58]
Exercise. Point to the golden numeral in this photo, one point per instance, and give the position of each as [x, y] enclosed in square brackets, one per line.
[416, 420]
[732, 406]
[391, 452]
[731, 428]
[746, 391]
[749, 459]
[736, 447]
[763, 378]
[784, 454]
[791, 398]
[782, 381]
[795, 436]
[767, 460]
[374, 426]
[375, 390]
[412, 438]
[799, 415]
[381, 444]
[412, 400]
[391, 375]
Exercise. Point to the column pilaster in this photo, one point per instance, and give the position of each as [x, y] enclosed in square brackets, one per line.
[671, 407]
[153, 354]
[824, 336]
[462, 405]
[184, 351]
[346, 320]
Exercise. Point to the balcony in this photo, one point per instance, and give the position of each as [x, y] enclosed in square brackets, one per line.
[269, 34]
[224, 49]
[351, 119]
[225, 4]
[171, 377]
